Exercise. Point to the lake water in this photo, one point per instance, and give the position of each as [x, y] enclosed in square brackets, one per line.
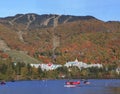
[57, 87]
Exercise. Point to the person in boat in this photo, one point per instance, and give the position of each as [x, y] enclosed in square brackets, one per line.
[3, 83]
[86, 82]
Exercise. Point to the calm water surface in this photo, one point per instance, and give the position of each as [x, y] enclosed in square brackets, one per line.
[57, 87]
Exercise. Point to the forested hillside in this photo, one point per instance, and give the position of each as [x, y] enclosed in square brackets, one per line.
[61, 38]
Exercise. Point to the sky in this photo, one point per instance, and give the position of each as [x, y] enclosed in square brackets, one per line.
[106, 10]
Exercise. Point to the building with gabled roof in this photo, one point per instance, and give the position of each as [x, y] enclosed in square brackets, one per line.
[81, 64]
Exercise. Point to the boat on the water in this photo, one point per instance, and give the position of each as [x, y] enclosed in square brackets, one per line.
[86, 82]
[2, 83]
[72, 84]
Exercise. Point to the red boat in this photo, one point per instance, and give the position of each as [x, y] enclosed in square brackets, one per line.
[72, 83]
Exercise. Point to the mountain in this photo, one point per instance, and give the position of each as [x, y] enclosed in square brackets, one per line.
[41, 21]
[58, 38]
[27, 22]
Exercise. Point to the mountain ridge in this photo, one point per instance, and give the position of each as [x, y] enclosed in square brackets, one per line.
[63, 37]
[45, 20]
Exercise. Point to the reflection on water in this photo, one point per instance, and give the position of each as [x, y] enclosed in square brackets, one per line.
[57, 87]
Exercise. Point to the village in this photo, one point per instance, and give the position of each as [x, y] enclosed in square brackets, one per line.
[79, 64]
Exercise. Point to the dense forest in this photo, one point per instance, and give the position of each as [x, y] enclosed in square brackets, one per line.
[11, 71]
[32, 38]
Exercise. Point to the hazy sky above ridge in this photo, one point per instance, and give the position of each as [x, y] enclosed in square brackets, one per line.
[102, 9]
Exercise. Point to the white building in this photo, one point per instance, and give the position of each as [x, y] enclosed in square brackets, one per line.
[35, 65]
[118, 70]
[81, 64]
[46, 66]
[49, 67]
[76, 63]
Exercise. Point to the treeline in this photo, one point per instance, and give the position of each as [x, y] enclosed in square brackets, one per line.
[11, 71]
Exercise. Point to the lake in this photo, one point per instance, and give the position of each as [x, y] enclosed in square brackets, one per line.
[101, 86]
